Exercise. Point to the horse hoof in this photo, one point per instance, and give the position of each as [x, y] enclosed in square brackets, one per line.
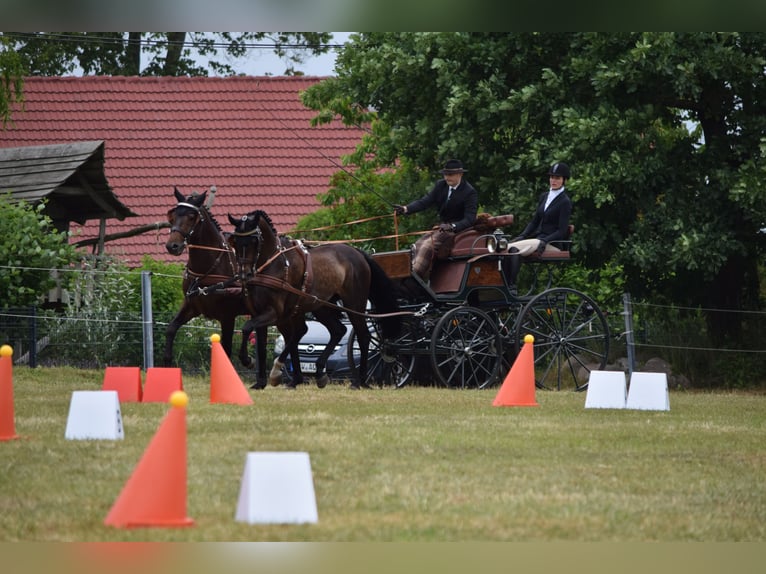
[258, 386]
[322, 381]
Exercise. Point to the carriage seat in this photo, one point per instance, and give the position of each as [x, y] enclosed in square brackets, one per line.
[564, 245]
[472, 241]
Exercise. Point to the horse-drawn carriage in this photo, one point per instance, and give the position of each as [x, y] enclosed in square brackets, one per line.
[464, 326]
[469, 323]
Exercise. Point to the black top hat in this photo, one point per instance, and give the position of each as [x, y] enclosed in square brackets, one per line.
[453, 166]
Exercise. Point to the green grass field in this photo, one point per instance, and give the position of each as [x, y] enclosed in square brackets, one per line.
[409, 465]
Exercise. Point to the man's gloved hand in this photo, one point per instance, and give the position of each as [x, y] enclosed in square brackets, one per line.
[445, 227]
[541, 247]
[399, 210]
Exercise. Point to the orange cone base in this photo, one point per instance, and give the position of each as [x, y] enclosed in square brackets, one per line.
[225, 384]
[157, 523]
[155, 494]
[518, 389]
[160, 383]
[7, 416]
[126, 381]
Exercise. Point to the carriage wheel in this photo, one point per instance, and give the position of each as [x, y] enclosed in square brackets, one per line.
[571, 338]
[466, 348]
[385, 366]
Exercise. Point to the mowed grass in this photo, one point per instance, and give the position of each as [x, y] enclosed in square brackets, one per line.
[416, 464]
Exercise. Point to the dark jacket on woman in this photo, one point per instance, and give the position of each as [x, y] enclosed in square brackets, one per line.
[550, 224]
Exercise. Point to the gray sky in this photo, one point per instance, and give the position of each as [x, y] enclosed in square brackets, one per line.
[263, 62]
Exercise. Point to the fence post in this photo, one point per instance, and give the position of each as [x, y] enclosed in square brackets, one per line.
[628, 313]
[33, 338]
[146, 318]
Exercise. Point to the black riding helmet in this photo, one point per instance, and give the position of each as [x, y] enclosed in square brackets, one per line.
[560, 168]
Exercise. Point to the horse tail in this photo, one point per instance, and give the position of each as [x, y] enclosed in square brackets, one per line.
[383, 296]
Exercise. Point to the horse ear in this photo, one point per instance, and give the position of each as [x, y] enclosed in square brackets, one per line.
[233, 221]
[199, 200]
[179, 196]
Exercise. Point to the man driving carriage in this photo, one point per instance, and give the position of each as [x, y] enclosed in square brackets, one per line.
[457, 202]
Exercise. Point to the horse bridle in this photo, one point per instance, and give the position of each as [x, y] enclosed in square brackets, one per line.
[247, 238]
[200, 218]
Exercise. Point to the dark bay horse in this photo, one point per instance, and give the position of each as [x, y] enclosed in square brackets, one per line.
[284, 280]
[211, 287]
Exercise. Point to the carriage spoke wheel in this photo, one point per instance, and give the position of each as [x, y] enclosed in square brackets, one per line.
[466, 349]
[571, 338]
[385, 366]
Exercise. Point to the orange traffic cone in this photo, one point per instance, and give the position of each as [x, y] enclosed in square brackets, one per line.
[518, 389]
[7, 418]
[155, 494]
[225, 384]
[126, 381]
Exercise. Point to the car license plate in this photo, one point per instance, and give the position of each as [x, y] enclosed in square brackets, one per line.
[309, 367]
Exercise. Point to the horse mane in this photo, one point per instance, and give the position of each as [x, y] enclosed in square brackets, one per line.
[260, 213]
[213, 219]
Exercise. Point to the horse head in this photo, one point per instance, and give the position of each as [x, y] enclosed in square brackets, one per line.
[184, 218]
[246, 239]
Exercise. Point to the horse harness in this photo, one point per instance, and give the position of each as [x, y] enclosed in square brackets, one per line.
[256, 278]
[222, 283]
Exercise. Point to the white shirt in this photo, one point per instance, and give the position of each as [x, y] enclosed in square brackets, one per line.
[553, 194]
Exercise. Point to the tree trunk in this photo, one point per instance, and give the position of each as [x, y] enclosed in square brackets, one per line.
[133, 54]
[725, 302]
[175, 47]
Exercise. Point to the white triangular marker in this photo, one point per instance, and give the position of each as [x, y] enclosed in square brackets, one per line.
[277, 488]
[94, 415]
[648, 391]
[606, 390]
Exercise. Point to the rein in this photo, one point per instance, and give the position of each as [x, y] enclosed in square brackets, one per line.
[274, 283]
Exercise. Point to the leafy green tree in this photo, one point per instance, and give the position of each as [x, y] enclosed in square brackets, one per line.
[165, 53]
[11, 79]
[30, 248]
[666, 134]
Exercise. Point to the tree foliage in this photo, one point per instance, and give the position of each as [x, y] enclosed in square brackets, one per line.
[30, 249]
[11, 79]
[157, 53]
[665, 132]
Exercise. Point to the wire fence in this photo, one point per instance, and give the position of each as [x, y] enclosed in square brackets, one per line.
[95, 332]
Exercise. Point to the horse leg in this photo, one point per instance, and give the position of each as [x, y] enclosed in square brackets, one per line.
[184, 315]
[261, 335]
[336, 328]
[363, 337]
[261, 340]
[275, 376]
[244, 355]
[292, 333]
[227, 334]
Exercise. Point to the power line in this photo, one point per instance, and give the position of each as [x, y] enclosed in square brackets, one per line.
[147, 42]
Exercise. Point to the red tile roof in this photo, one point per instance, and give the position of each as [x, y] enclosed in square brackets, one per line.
[248, 136]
